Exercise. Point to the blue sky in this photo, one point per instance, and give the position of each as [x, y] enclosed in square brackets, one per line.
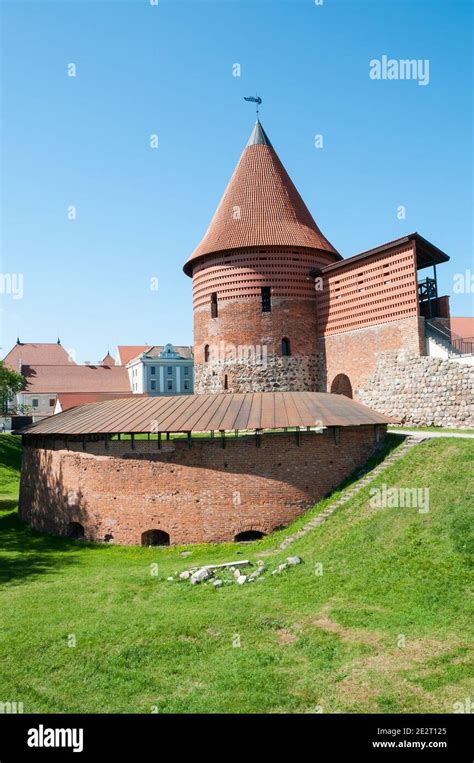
[168, 70]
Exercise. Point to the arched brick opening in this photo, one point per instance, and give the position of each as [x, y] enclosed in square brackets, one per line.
[248, 535]
[341, 385]
[75, 531]
[155, 538]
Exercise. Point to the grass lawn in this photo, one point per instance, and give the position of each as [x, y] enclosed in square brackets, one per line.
[386, 627]
[413, 428]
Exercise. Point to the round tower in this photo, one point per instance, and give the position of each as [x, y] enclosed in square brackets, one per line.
[255, 277]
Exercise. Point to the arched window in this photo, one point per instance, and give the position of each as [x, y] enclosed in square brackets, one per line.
[155, 538]
[206, 353]
[248, 535]
[341, 385]
[285, 347]
[75, 531]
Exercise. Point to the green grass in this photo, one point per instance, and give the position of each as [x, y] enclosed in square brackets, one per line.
[385, 628]
[407, 428]
[10, 461]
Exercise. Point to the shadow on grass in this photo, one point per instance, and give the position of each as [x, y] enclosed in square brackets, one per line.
[25, 553]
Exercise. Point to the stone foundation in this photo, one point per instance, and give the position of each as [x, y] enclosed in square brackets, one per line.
[202, 493]
[282, 374]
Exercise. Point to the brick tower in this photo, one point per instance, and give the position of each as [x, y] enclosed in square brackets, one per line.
[254, 272]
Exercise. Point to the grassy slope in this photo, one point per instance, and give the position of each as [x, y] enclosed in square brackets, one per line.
[306, 640]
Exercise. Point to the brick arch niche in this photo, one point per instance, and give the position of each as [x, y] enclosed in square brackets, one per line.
[341, 385]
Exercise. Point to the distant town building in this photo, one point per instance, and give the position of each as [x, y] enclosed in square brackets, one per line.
[162, 370]
[128, 352]
[45, 383]
[108, 360]
[37, 353]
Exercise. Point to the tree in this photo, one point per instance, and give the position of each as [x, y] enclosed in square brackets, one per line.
[11, 383]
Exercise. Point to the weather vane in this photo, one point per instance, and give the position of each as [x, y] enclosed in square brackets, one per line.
[255, 99]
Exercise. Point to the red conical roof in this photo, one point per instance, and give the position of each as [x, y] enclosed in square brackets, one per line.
[260, 207]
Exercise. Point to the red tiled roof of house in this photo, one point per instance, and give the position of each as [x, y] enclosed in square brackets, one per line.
[127, 352]
[69, 400]
[463, 327]
[35, 354]
[108, 360]
[260, 207]
[73, 378]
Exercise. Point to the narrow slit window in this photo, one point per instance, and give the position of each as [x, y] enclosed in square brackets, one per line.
[266, 299]
[214, 304]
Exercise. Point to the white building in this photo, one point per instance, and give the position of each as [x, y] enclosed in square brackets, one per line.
[162, 371]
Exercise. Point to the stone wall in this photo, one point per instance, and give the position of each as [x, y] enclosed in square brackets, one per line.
[202, 493]
[272, 374]
[420, 390]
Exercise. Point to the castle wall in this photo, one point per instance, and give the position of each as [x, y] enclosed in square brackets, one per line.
[356, 353]
[418, 390]
[203, 493]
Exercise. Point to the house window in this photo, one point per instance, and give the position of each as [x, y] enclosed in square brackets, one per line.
[152, 370]
[169, 370]
[170, 384]
[51, 402]
[35, 402]
[153, 384]
[266, 299]
[214, 304]
[186, 370]
[206, 353]
[226, 382]
[285, 347]
[186, 384]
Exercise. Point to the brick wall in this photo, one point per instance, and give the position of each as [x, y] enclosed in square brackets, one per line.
[380, 288]
[355, 353]
[199, 494]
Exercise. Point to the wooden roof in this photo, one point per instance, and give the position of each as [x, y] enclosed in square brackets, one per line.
[212, 412]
